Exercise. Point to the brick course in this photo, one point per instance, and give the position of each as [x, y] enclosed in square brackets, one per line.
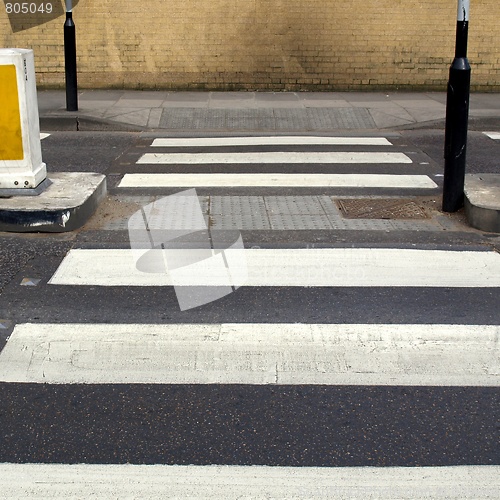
[277, 45]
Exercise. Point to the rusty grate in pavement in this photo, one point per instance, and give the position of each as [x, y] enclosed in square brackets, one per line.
[386, 208]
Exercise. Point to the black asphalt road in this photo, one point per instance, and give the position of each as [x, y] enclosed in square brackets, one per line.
[249, 425]
[483, 153]
[99, 151]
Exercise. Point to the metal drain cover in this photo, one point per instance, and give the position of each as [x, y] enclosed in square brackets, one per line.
[386, 208]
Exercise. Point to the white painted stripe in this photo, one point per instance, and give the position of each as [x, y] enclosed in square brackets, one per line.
[222, 482]
[278, 180]
[315, 267]
[409, 355]
[44, 135]
[270, 141]
[493, 135]
[271, 157]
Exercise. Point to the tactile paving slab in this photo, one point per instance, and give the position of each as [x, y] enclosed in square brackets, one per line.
[294, 205]
[274, 213]
[240, 221]
[299, 222]
[270, 119]
[242, 205]
[249, 119]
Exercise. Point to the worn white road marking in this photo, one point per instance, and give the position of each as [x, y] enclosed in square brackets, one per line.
[277, 180]
[336, 354]
[44, 135]
[493, 135]
[270, 141]
[271, 157]
[314, 267]
[229, 482]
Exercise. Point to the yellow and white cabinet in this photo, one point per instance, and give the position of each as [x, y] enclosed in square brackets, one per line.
[21, 164]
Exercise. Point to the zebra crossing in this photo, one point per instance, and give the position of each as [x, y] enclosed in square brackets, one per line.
[281, 159]
[333, 369]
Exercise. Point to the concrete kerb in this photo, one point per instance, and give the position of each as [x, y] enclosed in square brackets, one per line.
[482, 201]
[78, 123]
[64, 206]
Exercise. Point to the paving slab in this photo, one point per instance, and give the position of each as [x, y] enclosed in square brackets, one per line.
[139, 103]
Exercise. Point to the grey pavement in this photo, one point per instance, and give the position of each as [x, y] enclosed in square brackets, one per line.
[258, 111]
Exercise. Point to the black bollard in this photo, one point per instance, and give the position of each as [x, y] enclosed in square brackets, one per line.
[457, 116]
[70, 59]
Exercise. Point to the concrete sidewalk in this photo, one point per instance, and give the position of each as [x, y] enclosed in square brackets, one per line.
[258, 111]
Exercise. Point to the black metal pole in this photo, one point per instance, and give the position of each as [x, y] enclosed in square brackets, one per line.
[457, 116]
[70, 59]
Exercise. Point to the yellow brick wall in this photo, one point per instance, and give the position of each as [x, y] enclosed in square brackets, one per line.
[264, 44]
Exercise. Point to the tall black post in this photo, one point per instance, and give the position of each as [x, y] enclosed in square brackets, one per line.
[70, 59]
[457, 116]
